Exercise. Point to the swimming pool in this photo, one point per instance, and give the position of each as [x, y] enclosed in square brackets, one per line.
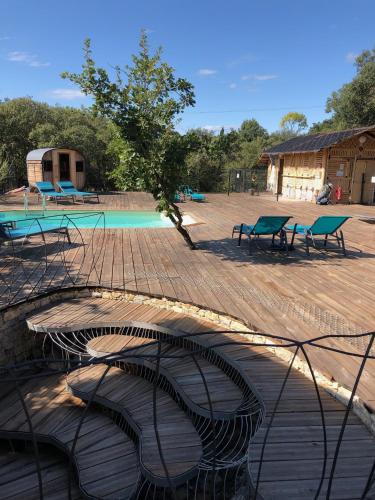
[88, 219]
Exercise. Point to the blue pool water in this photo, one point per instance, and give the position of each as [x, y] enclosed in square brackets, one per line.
[87, 219]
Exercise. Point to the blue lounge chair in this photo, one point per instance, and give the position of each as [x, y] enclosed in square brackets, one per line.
[46, 190]
[326, 225]
[10, 232]
[193, 195]
[179, 197]
[266, 225]
[67, 187]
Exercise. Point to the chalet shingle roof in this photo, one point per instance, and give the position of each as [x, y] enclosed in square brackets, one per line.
[316, 142]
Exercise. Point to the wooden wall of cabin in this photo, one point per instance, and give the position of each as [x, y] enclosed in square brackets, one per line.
[303, 175]
[34, 172]
[347, 164]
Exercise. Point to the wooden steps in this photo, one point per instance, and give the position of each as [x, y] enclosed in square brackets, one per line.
[105, 458]
[19, 479]
[132, 397]
[185, 376]
[294, 452]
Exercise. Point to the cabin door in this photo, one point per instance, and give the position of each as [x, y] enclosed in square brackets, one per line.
[64, 167]
[358, 181]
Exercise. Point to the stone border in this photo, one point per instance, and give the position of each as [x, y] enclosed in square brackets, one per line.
[337, 391]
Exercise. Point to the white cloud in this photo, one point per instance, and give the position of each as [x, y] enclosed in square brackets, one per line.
[259, 78]
[351, 57]
[66, 94]
[233, 85]
[26, 58]
[207, 72]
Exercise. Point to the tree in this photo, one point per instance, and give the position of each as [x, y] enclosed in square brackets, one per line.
[293, 122]
[250, 130]
[354, 104]
[327, 125]
[251, 151]
[208, 156]
[143, 101]
[367, 56]
[18, 117]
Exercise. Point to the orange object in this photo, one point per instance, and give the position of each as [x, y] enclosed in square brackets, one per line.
[338, 193]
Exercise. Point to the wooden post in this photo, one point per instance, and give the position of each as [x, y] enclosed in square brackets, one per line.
[72, 166]
[55, 166]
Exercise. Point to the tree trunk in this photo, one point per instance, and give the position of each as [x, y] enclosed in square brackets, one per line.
[176, 218]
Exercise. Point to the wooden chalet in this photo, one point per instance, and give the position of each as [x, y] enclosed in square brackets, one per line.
[56, 164]
[299, 167]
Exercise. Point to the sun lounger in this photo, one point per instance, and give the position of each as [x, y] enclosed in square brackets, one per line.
[10, 232]
[67, 187]
[326, 225]
[267, 225]
[193, 195]
[46, 190]
[179, 197]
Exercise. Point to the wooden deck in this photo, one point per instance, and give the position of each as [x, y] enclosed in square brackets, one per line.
[293, 456]
[19, 477]
[297, 296]
[105, 459]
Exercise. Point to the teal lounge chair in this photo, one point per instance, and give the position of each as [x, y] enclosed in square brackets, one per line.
[67, 187]
[266, 225]
[10, 232]
[193, 195]
[179, 197]
[46, 189]
[326, 225]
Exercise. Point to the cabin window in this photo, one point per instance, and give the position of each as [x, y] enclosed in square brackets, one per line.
[79, 166]
[47, 165]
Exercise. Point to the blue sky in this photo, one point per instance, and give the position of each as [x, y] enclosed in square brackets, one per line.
[246, 58]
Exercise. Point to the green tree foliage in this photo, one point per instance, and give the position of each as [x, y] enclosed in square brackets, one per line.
[251, 151]
[18, 117]
[293, 122]
[208, 156]
[367, 56]
[203, 170]
[211, 155]
[251, 130]
[354, 104]
[143, 101]
[327, 125]
[26, 125]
